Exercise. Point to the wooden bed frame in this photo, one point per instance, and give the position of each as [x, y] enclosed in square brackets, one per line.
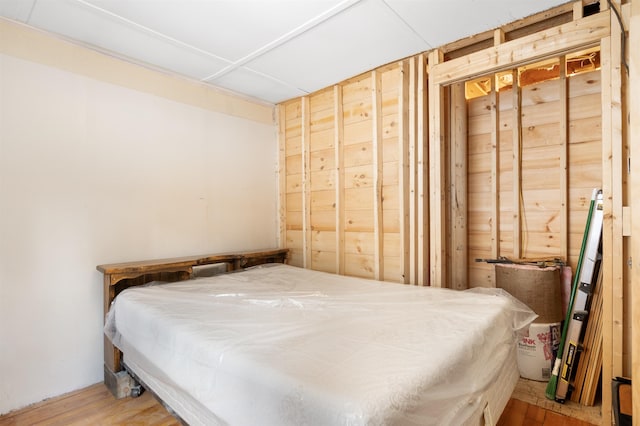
[119, 276]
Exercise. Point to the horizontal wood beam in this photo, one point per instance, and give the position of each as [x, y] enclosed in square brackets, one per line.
[554, 41]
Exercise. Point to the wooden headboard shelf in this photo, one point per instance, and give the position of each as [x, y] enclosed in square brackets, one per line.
[119, 276]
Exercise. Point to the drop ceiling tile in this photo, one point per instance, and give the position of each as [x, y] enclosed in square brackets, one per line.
[18, 10]
[515, 10]
[82, 22]
[363, 37]
[243, 80]
[443, 21]
[229, 29]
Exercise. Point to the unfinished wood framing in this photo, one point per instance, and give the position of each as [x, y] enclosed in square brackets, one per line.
[516, 134]
[564, 158]
[634, 196]
[338, 141]
[458, 166]
[423, 203]
[378, 232]
[612, 241]
[494, 106]
[423, 180]
[306, 183]
[353, 150]
[572, 155]
[404, 170]
[548, 43]
[413, 171]
[282, 176]
[291, 114]
[437, 178]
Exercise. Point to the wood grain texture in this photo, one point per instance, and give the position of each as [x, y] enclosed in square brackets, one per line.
[634, 196]
[94, 405]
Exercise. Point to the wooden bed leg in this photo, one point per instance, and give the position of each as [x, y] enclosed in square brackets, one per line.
[120, 384]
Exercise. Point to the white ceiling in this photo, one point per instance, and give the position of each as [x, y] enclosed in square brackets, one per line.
[271, 50]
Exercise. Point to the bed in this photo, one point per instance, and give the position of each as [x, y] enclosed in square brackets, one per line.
[272, 344]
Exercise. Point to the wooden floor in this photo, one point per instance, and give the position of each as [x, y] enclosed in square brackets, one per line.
[95, 406]
[522, 413]
[92, 406]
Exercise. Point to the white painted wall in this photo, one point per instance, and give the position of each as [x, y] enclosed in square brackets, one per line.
[94, 172]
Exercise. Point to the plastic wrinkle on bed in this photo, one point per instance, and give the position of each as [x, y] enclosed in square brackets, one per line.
[280, 345]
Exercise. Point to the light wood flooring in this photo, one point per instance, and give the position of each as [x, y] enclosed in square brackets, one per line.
[95, 406]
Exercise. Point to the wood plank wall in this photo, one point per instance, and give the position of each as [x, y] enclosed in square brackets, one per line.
[346, 155]
[393, 175]
[559, 146]
[634, 192]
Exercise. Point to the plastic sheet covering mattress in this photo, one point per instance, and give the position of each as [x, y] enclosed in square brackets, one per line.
[280, 345]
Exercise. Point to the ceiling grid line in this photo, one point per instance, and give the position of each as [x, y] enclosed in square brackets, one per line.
[342, 6]
[148, 30]
[268, 50]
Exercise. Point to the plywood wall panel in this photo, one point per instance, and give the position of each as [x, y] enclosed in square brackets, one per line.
[322, 220]
[358, 199]
[322, 139]
[541, 135]
[478, 143]
[324, 261]
[391, 221]
[358, 177]
[293, 146]
[324, 241]
[358, 154]
[294, 165]
[585, 106]
[588, 83]
[294, 240]
[392, 244]
[479, 124]
[293, 183]
[358, 111]
[393, 269]
[539, 114]
[481, 275]
[390, 128]
[480, 106]
[391, 174]
[354, 145]
[545, 92]
[390, 151]
[359, 265]
[321, 121]
[322, 200]
[344, 173]
[323, 180]
[293, 110]
[323, 160]
[356, 89]
[359, 243]
[586, 130]
[322, 101]
[358, 221]
[358, 132]
[294, 202]
[294, 221]
[540, 194]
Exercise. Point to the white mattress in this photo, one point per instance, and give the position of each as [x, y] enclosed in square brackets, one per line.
[279, 345]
